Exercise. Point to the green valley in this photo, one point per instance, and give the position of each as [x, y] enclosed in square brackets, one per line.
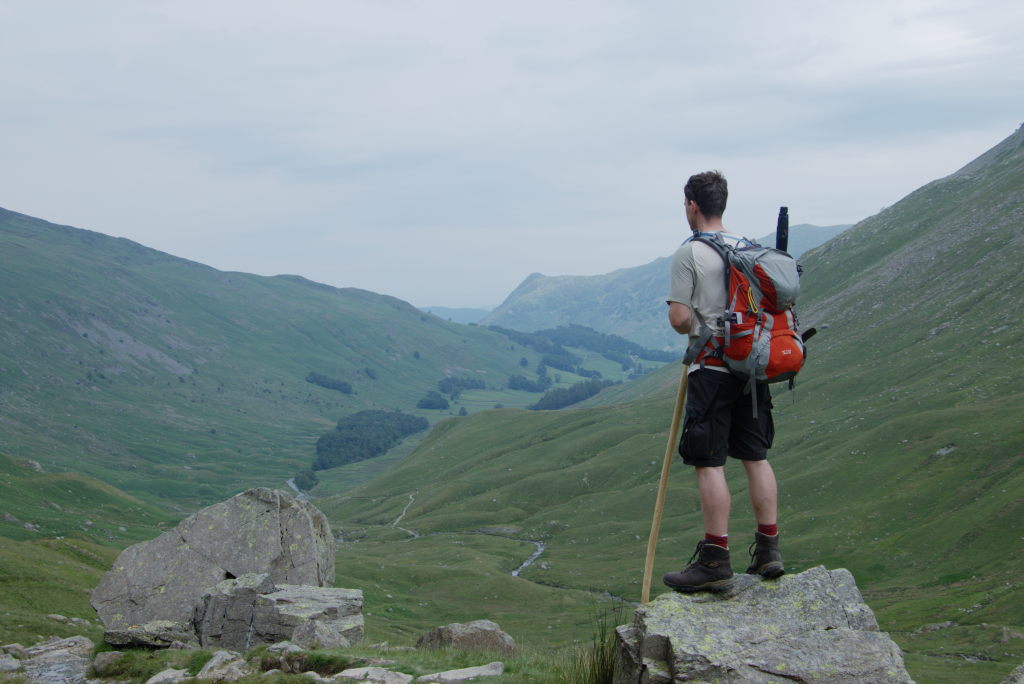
[899, 453]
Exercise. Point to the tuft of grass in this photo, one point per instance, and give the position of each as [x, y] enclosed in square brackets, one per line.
[594, 663]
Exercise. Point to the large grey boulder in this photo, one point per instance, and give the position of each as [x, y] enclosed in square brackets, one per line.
[258, 531]
[479, 635]
[813, 626]
[251, 610]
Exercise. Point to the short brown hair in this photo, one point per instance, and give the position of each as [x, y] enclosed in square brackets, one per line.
[710, 191]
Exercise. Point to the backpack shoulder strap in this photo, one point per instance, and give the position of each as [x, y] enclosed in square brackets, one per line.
[715, 242]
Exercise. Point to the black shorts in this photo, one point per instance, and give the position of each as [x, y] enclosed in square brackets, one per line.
[719, 420]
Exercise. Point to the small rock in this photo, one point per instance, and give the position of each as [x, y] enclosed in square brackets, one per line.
[33, 465]
[102, 662]
[169, 676]
[479, 635]
[9, 518]
[79, 622]
[16, 650]
[465, 674]
[56, 617]
[224, 666]
[285, 647]
[9, 663]
[372, 674]
[320, 634]
[271, 673]
[88, 523]
[56, 507]
[32, 527]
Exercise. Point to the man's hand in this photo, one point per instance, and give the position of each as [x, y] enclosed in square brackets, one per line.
[680, 317]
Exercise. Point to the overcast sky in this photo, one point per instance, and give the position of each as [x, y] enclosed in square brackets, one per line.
[442, 151]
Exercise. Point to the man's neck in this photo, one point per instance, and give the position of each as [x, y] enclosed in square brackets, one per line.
[709, 225]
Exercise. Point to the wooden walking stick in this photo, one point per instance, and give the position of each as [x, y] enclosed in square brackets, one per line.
[659, 505]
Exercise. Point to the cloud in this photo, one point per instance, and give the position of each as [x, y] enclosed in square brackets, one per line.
[413, 147]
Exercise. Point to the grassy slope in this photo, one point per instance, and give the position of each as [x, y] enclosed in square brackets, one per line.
[53, 569]
[899, 455]
[185, 384]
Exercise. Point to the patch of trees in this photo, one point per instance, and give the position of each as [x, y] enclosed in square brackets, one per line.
[364, 435]
[329, 383]
[603, 343]
[454, 386]
[520, 382]
[567, 396]
[554, 340]
[567, 362]
[432, 400]
[534, 340]
[306, 480]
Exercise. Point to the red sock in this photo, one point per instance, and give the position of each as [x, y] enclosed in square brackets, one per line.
[768, 530]
[716, 540]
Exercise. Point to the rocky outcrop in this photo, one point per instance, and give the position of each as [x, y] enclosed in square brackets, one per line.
[813, 626]
[258, 531]
[479, 635]
[251, 610]
[58, 661]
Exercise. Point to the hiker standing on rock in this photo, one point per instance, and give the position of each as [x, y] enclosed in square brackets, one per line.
[720, 416]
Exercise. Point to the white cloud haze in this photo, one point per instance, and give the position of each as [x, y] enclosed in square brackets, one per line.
[442, 151]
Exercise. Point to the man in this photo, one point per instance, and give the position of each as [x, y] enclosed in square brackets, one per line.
[719, 418]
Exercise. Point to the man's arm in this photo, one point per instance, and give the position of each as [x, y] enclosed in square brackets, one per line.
[680, 317]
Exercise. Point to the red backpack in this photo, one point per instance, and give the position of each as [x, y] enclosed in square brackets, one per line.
[761, 342]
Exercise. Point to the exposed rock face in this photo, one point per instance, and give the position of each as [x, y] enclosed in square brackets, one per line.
[250, 610]
[479, 635]
[813, 626]
[257, 531]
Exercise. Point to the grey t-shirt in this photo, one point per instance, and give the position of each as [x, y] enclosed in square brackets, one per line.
[697, 280]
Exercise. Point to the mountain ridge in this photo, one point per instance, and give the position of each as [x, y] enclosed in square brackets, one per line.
[628, 302]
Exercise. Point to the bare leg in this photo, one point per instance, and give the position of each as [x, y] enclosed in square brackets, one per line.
[764, 494]
[714, 500]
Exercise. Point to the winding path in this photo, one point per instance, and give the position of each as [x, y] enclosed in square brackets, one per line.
[412, 535]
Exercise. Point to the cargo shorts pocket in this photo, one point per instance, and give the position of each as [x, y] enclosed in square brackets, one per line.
[697, 442]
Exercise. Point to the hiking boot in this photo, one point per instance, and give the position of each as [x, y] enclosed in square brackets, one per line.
[765, 559]
[711, 571]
